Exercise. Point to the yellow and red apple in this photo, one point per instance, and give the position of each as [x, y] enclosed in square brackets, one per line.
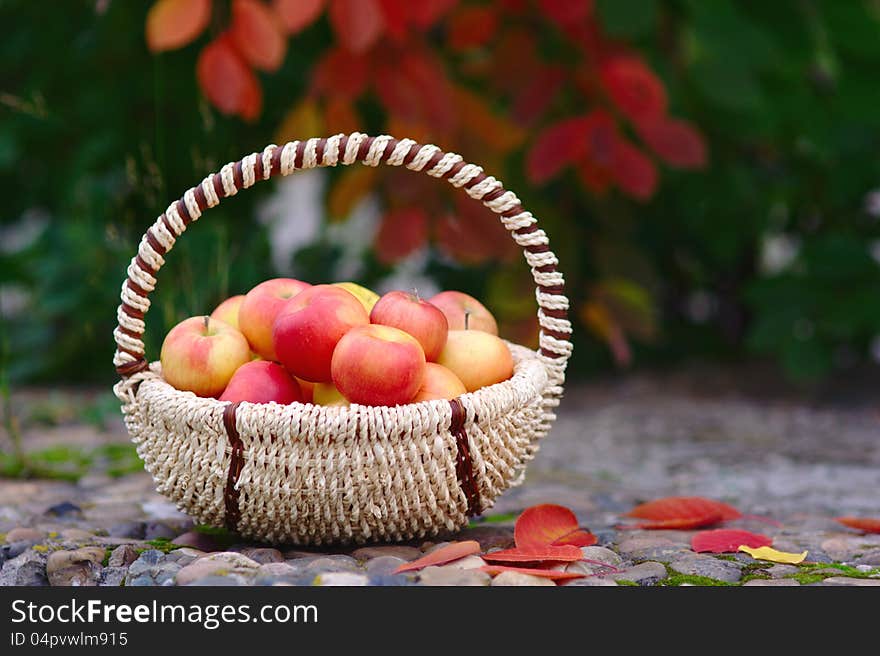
[309, 326]
[478, 358]
[201, 355]
[439, 383]
[227, 311]
[327, 394]
[261, 381]
[367, 297]
[378, 365]
[415, 316]
[259, 308]
[457, 306]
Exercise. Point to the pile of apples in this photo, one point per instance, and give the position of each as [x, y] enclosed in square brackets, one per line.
[288, 341]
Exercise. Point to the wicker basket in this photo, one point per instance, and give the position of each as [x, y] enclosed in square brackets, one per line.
[306, 474]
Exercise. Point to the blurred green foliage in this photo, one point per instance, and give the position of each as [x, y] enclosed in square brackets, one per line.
[97, 136]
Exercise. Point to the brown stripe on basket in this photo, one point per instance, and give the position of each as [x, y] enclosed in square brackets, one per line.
[131, 368]
[236, 462]
[464, 466]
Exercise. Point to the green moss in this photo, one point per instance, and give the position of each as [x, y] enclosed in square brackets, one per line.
[106, 560]
[751, 577]
[624, 582]
[677, 579]
[502, 518]
[3, 537]
[162, 544]
[805, 578]
[40, 548]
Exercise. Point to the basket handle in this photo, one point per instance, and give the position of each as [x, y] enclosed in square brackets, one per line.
[554, 345]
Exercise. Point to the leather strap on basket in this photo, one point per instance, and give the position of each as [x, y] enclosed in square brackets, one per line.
[236, 462]
[159, 239]
[464, 466]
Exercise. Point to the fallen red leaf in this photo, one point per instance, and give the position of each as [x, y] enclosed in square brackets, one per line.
[175, 23]
[403, 231]
[256, 35]
[725, 540]
[866, 524]
[471, 27]
[566, 553]
[677, 142]
[227, 81]
[633, 87]
[551, 574]
[549, 524]
[683, 508]
[696, 521]
[296, 15]
[442, 556]
[357, 23]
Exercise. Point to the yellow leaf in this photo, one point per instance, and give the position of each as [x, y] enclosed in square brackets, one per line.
[773, 555]
[354, 183]
[303, 121]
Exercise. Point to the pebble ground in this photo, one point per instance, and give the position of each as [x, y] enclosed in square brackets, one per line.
[787, 461]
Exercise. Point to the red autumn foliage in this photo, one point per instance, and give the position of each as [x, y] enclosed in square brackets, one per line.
[442, 556]
[631, 85]
[173, 24]
[296, 15]
[552, 574]
[357, 23]
[257, 35]
[683, 508]
[227, 80]
[566, 553]
[683, 523]
[472, 27]
[549, 525]
[727, 540]
[677, 142]
[402, 232]
[865, 524]
[557, 146]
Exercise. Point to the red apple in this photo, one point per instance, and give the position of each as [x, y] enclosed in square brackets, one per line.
[456, 305]
[261, 381]
[327, 394]
[227, 311]
[309, 326]
[439, 383]
[201, 354]
[259, 309]
[367, 297]
[477, 358]
[415, 316]
[378, 365]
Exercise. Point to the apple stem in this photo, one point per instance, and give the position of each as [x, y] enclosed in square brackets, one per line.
[207, 319]
[467, 316]
[415, 293]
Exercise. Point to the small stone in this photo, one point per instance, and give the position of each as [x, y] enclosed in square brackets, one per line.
[468, 562]
[85, 573]
[272, 573]
[652, 548]
[112, 576]
[122, 556]
[158, 530]
[870, 558]
[298, 554]
[8, 551]
[580, 567]
[77, 535]
[225, 562]
[402, 552]
[64, 509]
[24, 534]
[347, 579]
[520, 579]
[841, 548]
[165, 573]
[142, 580]
[780, 583]
[389, 580]
[383, 565]
[850, 580]
[196, 540]
[713, 568]
[263, 555]
[128, 530]
[220, 580]
[145, 562]
[437, 576]
[780, 570]
[602, 555]
[334, 563]
[59, 560]
[864, 568]
[28, 568]
[488, 536]
[646, 573]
